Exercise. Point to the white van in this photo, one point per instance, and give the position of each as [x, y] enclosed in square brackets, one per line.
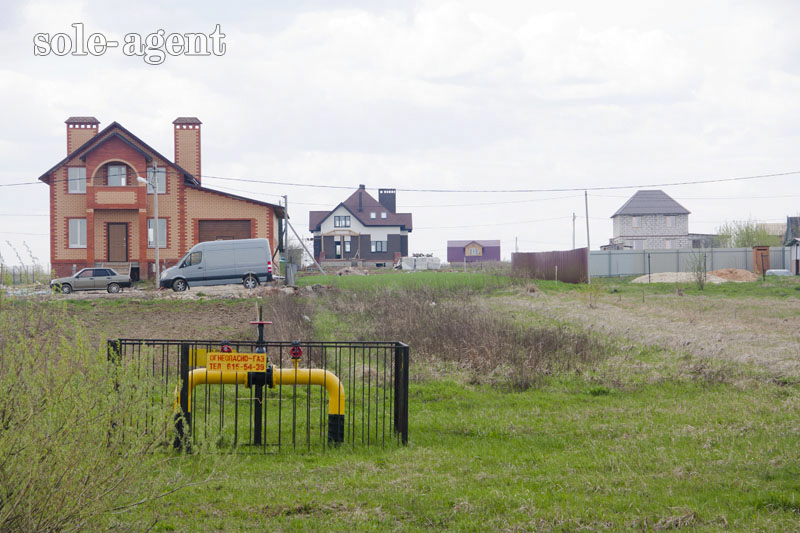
[245, 261]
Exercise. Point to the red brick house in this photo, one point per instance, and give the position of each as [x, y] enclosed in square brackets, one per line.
[100, 213]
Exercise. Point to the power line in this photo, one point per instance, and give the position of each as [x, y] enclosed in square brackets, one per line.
[494, 223]
[483, 191]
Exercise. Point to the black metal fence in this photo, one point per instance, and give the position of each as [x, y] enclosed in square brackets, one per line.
[373, 375]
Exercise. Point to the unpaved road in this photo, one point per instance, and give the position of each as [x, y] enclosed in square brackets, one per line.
[761, 331]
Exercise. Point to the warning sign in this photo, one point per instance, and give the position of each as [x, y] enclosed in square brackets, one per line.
[236, 362]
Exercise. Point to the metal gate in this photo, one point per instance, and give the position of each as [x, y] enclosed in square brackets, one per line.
[373, 376]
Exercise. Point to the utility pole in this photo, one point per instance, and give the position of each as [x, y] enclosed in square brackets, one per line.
[588, 245]
[152, 180]
[285, 233]
[573, 230]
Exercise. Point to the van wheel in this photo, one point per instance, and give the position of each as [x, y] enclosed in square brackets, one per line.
[179, 285]
[250, 282]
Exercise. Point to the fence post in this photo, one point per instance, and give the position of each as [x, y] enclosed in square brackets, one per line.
[401, 357]
[183, 418]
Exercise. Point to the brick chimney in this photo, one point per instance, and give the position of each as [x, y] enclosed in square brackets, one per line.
[80, 130]
[388, 199]
[187, 144]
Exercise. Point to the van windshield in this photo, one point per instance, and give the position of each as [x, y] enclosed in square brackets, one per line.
[194, 258]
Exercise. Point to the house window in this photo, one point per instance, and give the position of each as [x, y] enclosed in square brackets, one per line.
[162, 233]
[77, 180]
[670, 220]
[372, 214]
[341, 221]
[347, 246]
[378, 246]
[669, 244]
[161, 175]
[383, 214]
[474, 251]
[77, 233]
[117, 175]
[636, 222]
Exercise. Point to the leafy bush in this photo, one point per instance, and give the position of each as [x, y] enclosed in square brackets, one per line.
[78, 434]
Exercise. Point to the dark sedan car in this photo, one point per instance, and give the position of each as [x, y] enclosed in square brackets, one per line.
[90, 279]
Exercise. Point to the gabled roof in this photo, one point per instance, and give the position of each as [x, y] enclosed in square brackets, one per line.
[792, 230]
[651, 203]
[463, 244]
[106, 134]
[368, 205]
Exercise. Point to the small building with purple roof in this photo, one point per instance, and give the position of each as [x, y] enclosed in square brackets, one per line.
[473, 251]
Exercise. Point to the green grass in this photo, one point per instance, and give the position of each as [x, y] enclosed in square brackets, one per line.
[439, 281]
[559, 458]
[778, 287]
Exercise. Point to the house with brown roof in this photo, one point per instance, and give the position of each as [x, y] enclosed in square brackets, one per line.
[361, 229]
[100, 213]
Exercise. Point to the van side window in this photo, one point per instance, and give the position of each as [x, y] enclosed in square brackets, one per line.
[195, 258]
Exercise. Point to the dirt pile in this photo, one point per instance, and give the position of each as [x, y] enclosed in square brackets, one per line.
[676, 277]
[734, 274]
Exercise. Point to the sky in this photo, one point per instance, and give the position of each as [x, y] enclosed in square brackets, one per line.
[420, 95]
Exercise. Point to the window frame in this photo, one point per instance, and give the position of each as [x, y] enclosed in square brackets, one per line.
[372, 214]
[79, 180]
[124, 177]
[152, 243]
[81, 232]
[346, 246]
[669, 221]
[160, 172]
[341, 221]
[375, 246]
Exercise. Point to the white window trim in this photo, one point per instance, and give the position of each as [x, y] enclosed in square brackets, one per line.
[80, 242]
[124, 178]
[162, 174]
[636, 222]
[374, 245]
[151, 243]
[79, 182]
[346, 246]
[372, 214]
[383, 214]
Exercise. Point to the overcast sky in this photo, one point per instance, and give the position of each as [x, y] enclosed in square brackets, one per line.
[421, 95]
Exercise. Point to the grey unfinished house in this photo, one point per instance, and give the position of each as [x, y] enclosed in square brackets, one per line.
[361, 230]
[653, 220]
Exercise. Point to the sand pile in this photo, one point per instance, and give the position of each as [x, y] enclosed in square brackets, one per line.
[734, 274]
[676, 277]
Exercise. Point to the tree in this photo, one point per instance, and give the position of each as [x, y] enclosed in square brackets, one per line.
[744, 234]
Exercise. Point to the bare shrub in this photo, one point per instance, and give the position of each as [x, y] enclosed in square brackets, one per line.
[290, 316]
[73, 446]
[463, 331]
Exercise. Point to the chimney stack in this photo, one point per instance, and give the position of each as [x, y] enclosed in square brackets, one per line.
[361, 189]
[187, 144]
[80, 130]
[388, 199]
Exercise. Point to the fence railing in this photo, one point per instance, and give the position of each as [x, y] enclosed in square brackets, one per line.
[373, 375]
[18, 275]
[639, 262]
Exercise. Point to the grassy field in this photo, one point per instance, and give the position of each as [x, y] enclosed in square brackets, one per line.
[525, 414]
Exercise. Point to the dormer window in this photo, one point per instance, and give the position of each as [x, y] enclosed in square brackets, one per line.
[383, 214]
[372, 214]
[117, 175]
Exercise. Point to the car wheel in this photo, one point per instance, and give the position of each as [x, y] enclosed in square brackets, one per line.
[66, 288]
[250, 282]
[179, 285]
[113, 288]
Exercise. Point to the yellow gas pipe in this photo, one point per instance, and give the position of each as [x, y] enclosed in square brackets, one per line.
[280, 376]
